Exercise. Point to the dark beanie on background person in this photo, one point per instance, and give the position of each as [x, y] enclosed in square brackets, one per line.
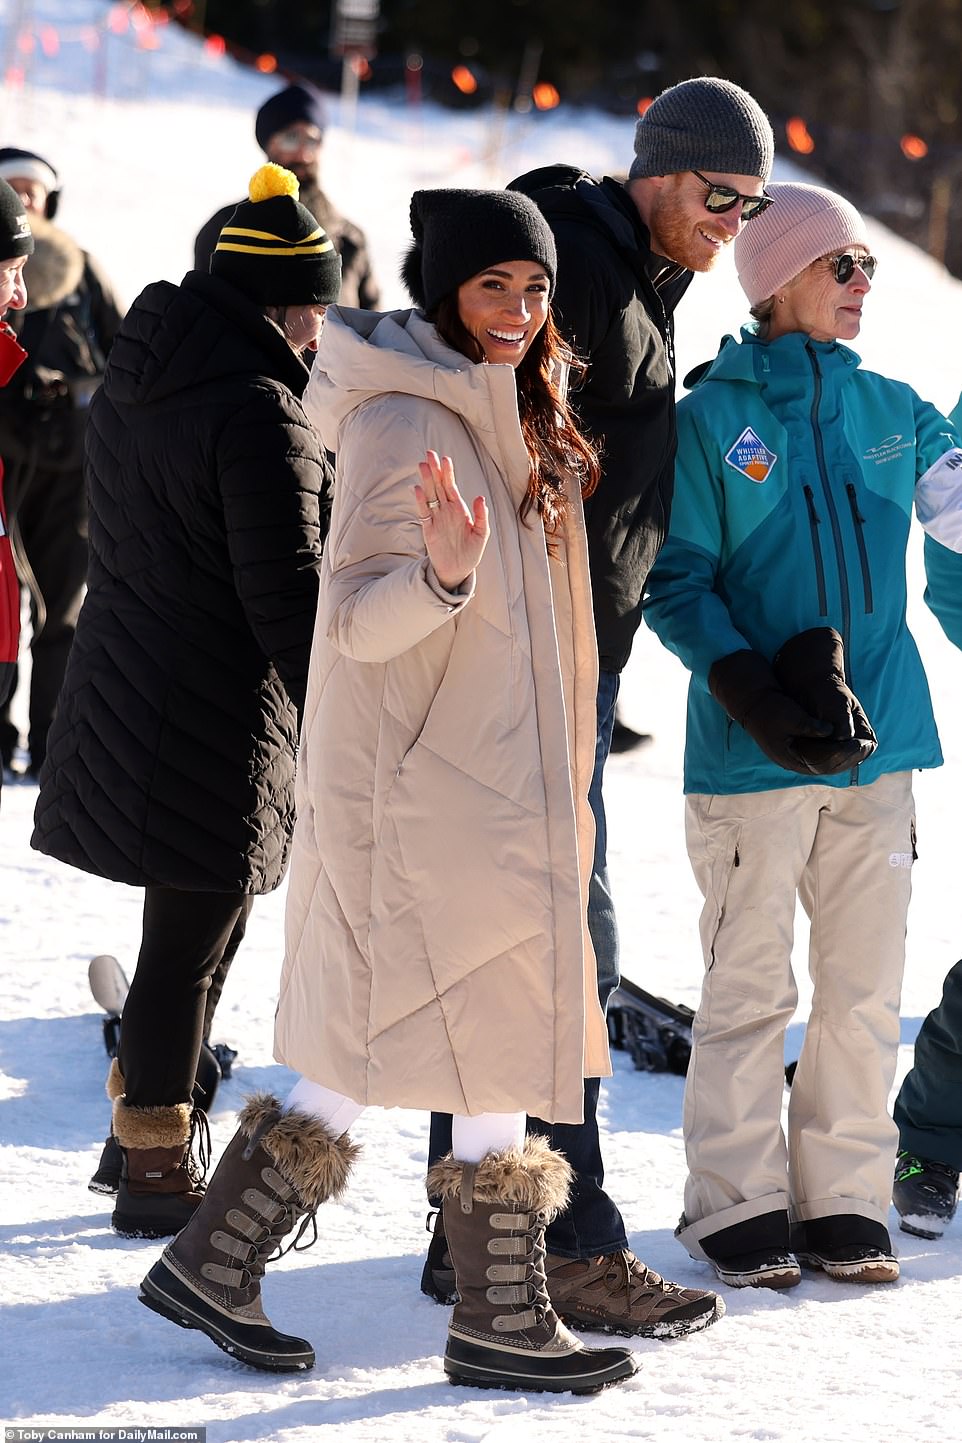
[16, 237]
[286, 107]
[459, 233]
[274, 250]
[703, 124]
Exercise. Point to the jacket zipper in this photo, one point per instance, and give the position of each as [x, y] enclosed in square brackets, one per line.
[836, 527]
[859, 523]
[814, 523]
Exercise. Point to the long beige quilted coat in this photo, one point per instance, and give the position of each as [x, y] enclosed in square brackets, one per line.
[436, 950]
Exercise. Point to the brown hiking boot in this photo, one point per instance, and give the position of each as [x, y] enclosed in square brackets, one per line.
[277, 1170]
[160, 1184]
[504, 1332]
[617, 1293]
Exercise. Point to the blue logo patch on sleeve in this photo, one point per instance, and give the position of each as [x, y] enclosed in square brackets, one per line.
[751, 457]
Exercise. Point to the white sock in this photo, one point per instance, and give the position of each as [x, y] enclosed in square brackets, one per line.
[336, 1111]
[473, 1137]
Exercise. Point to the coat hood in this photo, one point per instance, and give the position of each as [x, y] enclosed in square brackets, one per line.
[56, 267]
[363, 355]
[175, 338]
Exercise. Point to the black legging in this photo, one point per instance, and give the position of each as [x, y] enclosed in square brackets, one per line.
[189, 942]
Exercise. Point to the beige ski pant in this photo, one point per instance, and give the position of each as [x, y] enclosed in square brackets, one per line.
[848, 853]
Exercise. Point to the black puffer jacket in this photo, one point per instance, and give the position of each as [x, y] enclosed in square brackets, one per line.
[614, 302]
[171, 756]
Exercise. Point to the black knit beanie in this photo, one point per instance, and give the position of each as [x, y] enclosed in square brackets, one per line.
[273, 249]
[16, 238]
[458, 233]
[286, 107]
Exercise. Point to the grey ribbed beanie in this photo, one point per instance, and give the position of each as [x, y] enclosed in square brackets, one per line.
[703, 124]
[805, 222]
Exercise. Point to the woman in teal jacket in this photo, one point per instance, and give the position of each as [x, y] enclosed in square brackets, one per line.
[781, 587]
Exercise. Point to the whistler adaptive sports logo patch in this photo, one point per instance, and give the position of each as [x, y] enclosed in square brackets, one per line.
[751, 456]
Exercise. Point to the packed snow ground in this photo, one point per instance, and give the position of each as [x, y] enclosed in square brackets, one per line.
[144, 160]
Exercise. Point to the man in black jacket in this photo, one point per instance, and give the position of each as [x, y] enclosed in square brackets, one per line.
[626, 254]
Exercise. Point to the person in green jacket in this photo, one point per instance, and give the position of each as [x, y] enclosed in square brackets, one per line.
[782, 588]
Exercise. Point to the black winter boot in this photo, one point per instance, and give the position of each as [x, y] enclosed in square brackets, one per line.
[504, 1332]
[925, 1194]
[437, 1276]
[277, 1170]
[107, 1177]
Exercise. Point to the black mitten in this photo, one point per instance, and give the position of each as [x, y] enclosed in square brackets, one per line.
[811, 667]
[746, 686]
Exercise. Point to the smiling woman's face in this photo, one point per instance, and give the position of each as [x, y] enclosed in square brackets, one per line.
[504, 308]
[815, 303]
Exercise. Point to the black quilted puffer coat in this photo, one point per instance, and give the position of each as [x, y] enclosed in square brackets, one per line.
[171, 756]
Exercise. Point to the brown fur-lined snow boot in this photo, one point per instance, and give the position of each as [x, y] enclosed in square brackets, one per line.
[110, 1168]
[277, 1170]
[504, 1332]
[161, 1184]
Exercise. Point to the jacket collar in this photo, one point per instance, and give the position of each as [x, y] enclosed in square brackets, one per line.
[753, 360]
[366, 354]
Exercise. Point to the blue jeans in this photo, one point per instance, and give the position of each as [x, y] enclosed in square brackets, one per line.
[602, 923]
[592, 1224]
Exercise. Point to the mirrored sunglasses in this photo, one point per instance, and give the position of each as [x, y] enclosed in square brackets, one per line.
[296, 140]
[845, 264]
[725, 197]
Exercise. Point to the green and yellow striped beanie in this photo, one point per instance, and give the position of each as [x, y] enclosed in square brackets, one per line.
[274, 250]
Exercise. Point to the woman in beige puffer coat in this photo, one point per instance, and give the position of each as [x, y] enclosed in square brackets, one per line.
[437, 953]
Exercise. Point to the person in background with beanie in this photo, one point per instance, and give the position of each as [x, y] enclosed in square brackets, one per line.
[16, 245]
[171, 757]
[626, 255]
[782, 588]
[437, 953]
[67, 328]
[289, 128]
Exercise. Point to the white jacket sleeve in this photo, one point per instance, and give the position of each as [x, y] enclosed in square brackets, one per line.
[938, 489]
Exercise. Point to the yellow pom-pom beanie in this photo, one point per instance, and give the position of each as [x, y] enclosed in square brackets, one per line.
[274, 250]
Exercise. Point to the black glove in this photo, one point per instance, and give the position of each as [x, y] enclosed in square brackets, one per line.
[746, 686]
[811, 667]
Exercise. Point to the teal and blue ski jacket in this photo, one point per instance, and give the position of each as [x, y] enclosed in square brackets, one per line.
[796, 476]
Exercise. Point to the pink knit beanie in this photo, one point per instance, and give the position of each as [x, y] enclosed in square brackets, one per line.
[804, 223]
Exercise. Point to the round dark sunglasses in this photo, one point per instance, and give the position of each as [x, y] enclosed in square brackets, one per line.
[725, 197]
[844, 266]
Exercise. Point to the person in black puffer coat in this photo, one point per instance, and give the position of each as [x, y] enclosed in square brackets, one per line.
[170, 762]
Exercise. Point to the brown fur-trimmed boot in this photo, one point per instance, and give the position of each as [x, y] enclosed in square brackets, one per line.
[160, 1185]
[504, 1332]
[277, 1170]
